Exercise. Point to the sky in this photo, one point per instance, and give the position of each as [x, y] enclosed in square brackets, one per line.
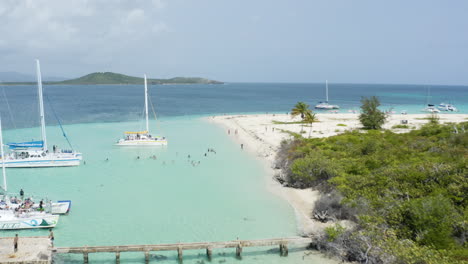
[347, 41]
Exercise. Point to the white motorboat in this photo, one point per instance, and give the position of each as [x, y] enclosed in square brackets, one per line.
[447, 107]
[36, 153]
[325, 105]
[142, 138]
[16, 215]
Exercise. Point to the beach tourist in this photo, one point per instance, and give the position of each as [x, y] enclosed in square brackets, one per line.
[15, 243]
[21, 194]
[51, 237]
[229, 132]
[242, 146]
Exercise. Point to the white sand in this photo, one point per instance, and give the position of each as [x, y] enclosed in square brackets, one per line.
[262, 137]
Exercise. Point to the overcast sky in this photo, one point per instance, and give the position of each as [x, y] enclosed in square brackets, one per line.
[357, 41]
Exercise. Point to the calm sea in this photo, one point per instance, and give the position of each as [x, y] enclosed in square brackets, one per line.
[121, 196]
[116, 103]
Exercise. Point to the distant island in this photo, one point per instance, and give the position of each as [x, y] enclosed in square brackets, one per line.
[117, 78]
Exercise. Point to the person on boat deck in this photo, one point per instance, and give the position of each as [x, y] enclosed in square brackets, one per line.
[41, 208]
[138, 136]
[54, 148]
[21, 194]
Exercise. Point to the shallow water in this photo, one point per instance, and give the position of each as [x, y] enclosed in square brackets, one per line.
[127, 200]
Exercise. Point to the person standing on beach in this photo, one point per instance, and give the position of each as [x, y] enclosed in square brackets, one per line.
[242, 146]
[51, 237]
[15, 243]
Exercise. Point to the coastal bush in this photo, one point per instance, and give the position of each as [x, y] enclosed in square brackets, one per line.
[311, 170]
[371, 117]
[333, 232]
[407, 192]
[400, 126]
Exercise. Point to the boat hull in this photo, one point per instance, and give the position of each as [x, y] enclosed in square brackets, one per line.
[29, 222]
[142, 143]
[61, 207]
[34, 163]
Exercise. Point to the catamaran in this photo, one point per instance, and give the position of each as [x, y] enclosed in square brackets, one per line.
[430, 108]
[142, 138]
[325, 105]
[15, 214]
[36, 153]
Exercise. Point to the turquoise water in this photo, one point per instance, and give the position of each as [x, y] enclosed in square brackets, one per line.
[127, 200]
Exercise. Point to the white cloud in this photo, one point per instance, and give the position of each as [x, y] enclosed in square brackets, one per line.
[79, 28]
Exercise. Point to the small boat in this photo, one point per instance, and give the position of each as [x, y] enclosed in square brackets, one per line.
[447, 107]
[142, 138]
[430, 108]
[325, 105]
[16, 215]
[34, 154]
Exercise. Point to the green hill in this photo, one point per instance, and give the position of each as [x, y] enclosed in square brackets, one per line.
[117, 78]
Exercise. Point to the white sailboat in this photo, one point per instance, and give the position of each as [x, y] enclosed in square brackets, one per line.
[142, 138]
[325, 105]
[36, 153]
[16, 215]
[430, 108]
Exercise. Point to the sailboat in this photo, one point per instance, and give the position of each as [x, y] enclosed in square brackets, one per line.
[325, 105]
[142, 138]
[15, 214]
[430, 108]
[36, 153]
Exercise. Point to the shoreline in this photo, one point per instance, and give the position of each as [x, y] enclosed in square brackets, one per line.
[261, 137]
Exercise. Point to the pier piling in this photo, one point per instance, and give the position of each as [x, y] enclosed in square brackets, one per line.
[179, 253]
[85, 257]
[209, 253]
[147, 257]
[283, 249]
[238, 250]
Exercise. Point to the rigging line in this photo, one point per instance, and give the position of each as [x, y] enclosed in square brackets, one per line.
[9, 109]
[58, 120]
[154, 113]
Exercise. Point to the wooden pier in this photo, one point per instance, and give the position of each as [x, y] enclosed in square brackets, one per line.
[282, 243]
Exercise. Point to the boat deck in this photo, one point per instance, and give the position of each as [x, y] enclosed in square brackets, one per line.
[37, 250]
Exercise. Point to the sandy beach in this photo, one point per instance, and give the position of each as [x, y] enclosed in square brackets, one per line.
[261, 135]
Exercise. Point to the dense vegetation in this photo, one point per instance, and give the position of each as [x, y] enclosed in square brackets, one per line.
[117, 78]
[406, 192]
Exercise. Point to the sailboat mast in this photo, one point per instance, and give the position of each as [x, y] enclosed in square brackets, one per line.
[146, 105]
[3, 159]
[41, 105]
[326, 89]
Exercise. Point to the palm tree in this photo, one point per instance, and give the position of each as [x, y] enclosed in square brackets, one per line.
[310, 117]
[300, 108]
